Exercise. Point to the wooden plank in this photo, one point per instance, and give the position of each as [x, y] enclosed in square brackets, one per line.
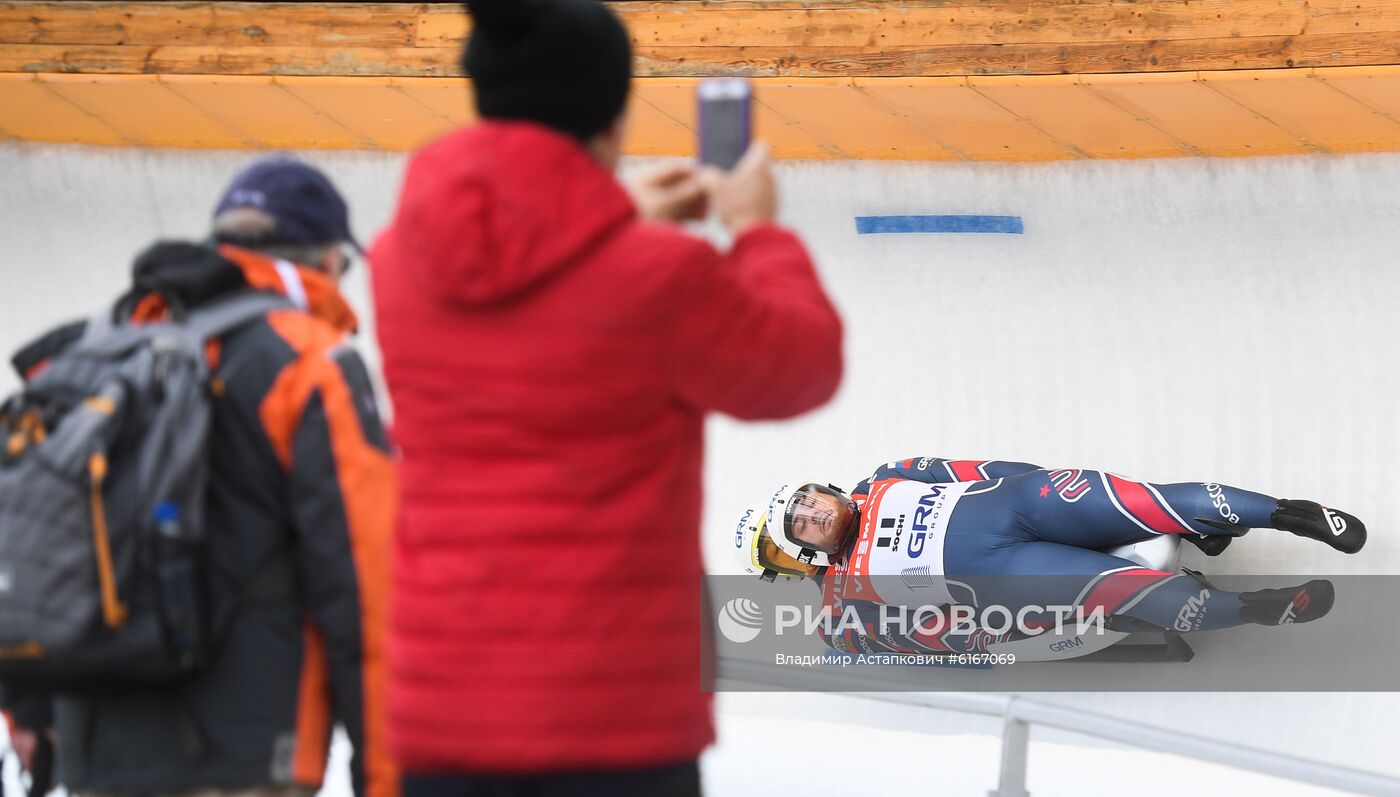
[852, 124]
[961, 120]
[91, 59]
[689, 38]
[804, 23]
[449, 98]
[1352, 16]
[698, 24]
[1266, 52]
[812, 4]
[367, 61]
[259, 110]
[209, 24]
[678, 24]
[1184, 108]
[442, 27]
[102, 59]
[1076, 117]
[29, 110]
[1312, 110]
[815, 5]
[686, 23]
[915, 118]
[1377, 88]
[1160, 56]
[651, 131]
[387, 118]
[145, 112]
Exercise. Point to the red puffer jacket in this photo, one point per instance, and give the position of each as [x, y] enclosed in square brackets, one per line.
[551, 359]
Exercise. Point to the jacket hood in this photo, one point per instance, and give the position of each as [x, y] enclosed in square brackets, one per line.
[490, 211]
[194, 274]
[189, 274]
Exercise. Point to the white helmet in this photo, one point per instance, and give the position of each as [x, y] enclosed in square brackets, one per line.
[803, 527]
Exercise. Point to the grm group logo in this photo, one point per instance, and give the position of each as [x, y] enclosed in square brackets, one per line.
[739, 531]
[1193, 612]
[740, 620]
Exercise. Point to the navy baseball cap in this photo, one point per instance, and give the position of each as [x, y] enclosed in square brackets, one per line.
[302, 200]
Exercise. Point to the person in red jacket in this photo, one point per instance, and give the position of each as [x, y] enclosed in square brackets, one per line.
[551, 354]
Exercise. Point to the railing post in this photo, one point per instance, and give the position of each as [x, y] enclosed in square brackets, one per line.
[1015, 744]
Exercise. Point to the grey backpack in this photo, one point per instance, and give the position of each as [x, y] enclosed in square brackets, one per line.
[103, 474]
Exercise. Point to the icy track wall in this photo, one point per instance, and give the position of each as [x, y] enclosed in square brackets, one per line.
[1228, 320]
[1170, 320]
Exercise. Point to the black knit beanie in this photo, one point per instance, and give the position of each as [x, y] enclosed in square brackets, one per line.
[563, 63]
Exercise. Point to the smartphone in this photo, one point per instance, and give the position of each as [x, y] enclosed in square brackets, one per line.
[726, 120]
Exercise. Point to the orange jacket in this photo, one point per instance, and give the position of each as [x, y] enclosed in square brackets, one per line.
[299, 516]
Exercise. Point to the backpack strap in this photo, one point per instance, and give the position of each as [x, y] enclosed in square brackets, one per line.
[225, 315]
[103, 335]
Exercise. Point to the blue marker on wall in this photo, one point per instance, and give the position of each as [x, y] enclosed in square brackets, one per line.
[877, 225]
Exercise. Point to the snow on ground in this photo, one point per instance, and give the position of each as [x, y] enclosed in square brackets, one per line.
[761, 757]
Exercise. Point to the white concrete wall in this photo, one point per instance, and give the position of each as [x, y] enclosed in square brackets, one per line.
[1172, 320]
[73, 218]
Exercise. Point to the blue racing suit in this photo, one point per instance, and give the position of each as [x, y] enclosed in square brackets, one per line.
[983, 532]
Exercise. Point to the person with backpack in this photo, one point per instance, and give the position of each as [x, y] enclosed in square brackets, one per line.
[212, 446]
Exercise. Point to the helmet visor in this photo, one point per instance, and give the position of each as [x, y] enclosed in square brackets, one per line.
[775, 558]
[821, 518]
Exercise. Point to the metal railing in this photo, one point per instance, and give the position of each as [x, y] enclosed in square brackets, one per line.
[1019, 713]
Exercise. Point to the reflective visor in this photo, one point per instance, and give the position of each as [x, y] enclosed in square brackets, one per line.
[774, 558]
[820, 518]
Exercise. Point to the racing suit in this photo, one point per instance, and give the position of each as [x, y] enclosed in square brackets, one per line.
[939, 532]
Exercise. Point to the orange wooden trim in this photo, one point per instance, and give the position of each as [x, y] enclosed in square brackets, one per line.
[1006, 118]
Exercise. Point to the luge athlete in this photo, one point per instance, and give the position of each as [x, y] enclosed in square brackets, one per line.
[937, 532]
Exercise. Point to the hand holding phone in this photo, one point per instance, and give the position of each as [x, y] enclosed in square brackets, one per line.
[745, 196]
[668, 192]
